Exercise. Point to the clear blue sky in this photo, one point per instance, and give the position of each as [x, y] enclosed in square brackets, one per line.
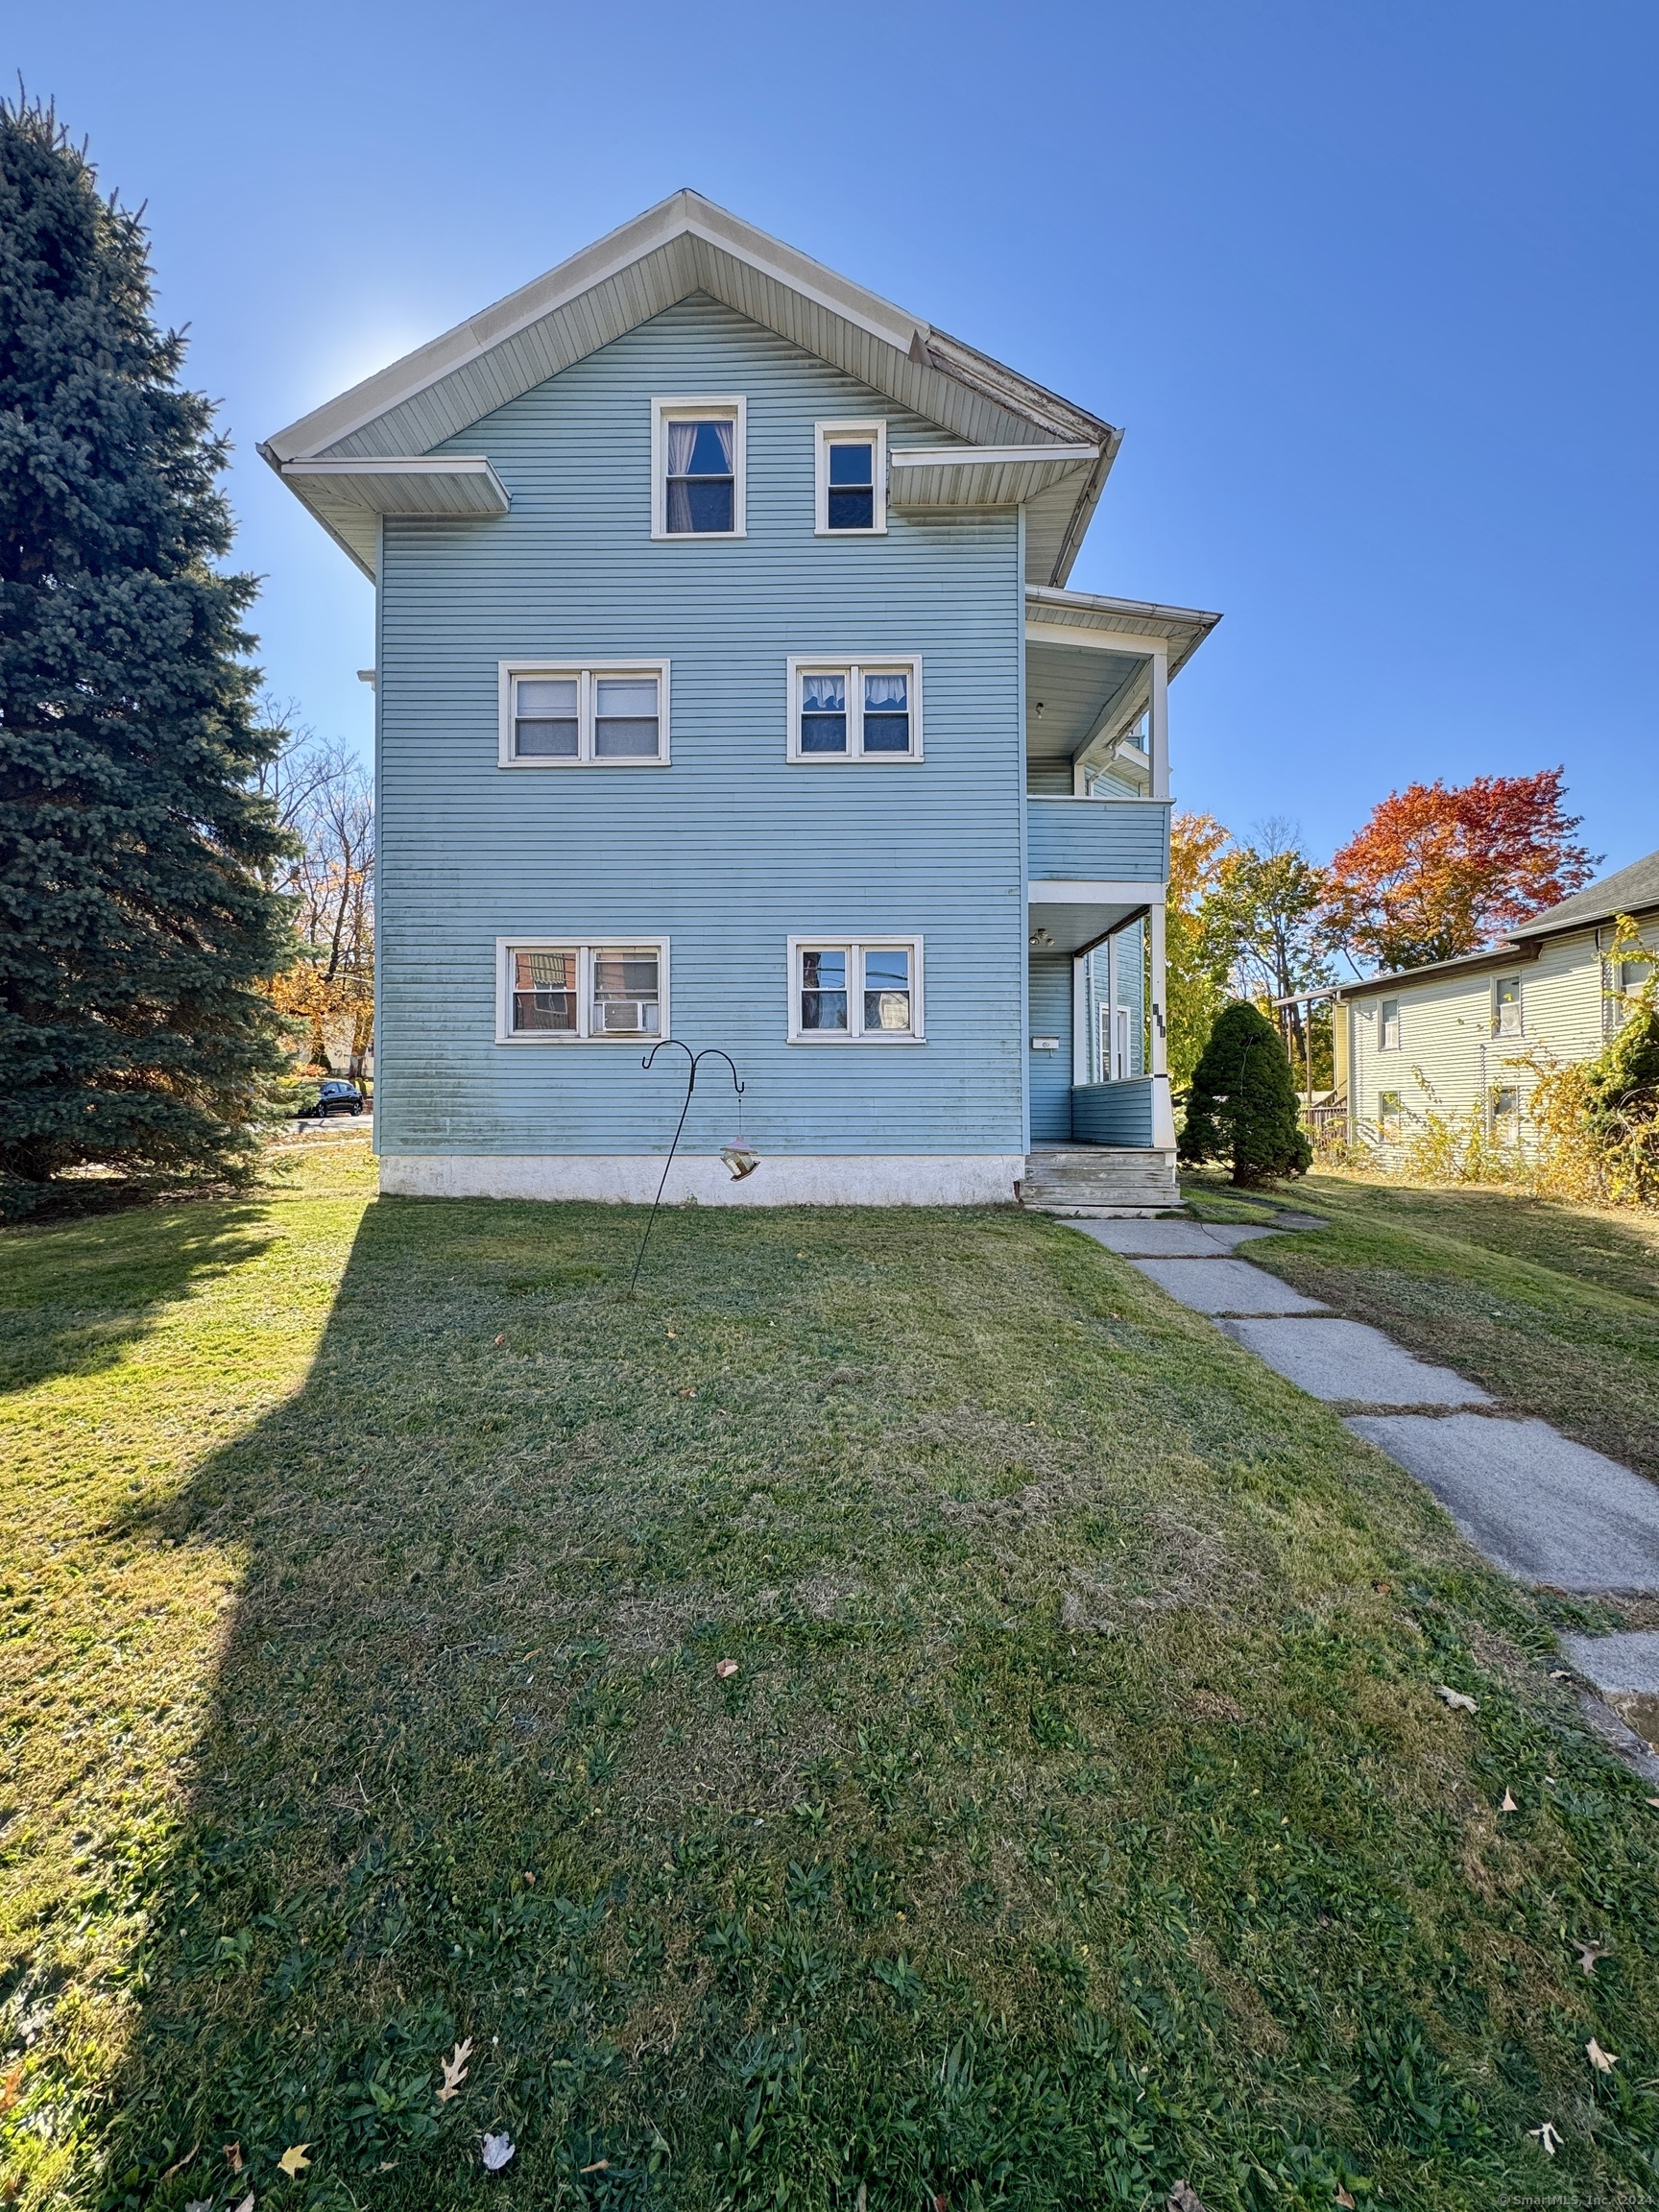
[1370, 284]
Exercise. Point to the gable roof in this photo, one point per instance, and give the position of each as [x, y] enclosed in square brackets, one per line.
[1625, 891]
[685, 246]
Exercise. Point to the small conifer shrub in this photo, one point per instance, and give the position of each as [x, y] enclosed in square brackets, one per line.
[1241, 1108]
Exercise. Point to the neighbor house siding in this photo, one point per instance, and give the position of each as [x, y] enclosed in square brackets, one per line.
[730, 849]
[1449, 1059]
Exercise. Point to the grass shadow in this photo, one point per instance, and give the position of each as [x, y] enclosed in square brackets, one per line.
[898, 1712]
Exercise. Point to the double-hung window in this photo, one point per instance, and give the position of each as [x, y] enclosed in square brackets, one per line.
[1388, 1031]
[606, 714]
[582, 992]
[851, 989]
[1507, 1006]
[851, 479]
[698, 468]
[1389, 1119]
[855, 709]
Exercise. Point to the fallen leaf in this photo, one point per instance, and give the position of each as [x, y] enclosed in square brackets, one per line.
[11, 2086]
[1603, 2061]
[725, 1667]
[1183, 2197]
[199, 2204]
[1588, 1954]
[1508, 1805]
[1653, 1800]
[672, 1334]
[455, 2071]
[179, 2164]
[293, 2159]
[500, 1340]
[599, 2166]
[234, 2157]
[1546, 2138]
[498, 2149]
[1459, 1700]
[1343, 2198]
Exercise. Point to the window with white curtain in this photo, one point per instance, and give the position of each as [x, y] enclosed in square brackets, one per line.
[698, 468]
[603, 714]
[582, 990]
[854, 990]
[855, 710]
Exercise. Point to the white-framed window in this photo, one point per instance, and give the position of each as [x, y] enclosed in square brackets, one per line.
[584, 714]
[849, 474]
[1113, 1043]
[856, 990]
[1507, 1006]
[1507, 1112]
[864, 709]
[699, 467]
[1388, 1027]
[581, 990]
[1390, 1121]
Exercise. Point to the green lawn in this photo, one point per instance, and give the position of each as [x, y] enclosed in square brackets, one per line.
[1553, 1308]
[1080, 1813]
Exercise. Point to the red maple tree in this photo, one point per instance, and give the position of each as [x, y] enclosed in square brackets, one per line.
[1436, 872]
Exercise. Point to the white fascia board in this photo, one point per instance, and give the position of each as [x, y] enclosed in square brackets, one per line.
[437, 469]
[945, 456]
[1072, 891]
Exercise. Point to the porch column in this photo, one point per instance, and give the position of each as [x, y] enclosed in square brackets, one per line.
[1163, 1111]
[1158, 727]
[1110, 1072]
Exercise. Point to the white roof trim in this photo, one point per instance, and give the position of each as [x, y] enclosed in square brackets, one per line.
[690, 245]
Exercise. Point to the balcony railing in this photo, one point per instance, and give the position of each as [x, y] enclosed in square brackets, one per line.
[1097, 840]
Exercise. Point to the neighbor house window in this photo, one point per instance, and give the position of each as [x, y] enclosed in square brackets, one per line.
[1388, 1117]
[1507, 1112]
[851, 479]
[842, 990]
[603, 712]
[698, 468]
[855, 710]
[1388, 1035]
[583, 991]
[1507, 1006]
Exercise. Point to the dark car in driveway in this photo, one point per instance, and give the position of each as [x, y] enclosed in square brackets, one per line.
[333, 1099]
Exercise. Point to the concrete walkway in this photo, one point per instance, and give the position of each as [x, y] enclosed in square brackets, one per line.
[1545, 1509]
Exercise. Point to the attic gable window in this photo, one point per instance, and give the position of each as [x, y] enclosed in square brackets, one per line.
[851, 479]
[698, 468]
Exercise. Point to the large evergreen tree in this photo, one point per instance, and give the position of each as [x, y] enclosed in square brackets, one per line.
[1242, 1104]
[136, 913]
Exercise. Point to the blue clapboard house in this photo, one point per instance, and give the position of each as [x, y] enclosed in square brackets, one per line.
[729, 688]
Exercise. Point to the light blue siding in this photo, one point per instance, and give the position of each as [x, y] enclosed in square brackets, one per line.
[1122, 840]
[730, 849]
[1113, 1113]
[1050, 1015]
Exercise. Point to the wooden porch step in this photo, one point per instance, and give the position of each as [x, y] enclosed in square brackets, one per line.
[1099, 1180]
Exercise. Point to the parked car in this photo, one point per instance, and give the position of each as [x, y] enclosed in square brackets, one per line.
[333, 1099]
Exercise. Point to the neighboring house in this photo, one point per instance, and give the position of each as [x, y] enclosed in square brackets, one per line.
[1465, 1037]
[728, 687]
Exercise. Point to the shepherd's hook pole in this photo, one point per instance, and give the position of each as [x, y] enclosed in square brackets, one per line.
[693, 1059]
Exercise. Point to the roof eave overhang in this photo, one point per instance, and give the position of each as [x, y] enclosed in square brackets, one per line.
[1507, 955]
[686, 244]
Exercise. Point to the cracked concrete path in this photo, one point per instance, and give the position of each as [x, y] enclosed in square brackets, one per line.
[1624, 1663]
[1540, 1506]
[1226, 1287]
[1171, 1239]
[1351, 1364]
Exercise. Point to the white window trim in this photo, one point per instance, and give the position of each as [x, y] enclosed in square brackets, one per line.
[586, 674]
[1519, 1002]
[1382, 1044]
[853, 666]
[585, 949]
[824, 436]
[856, 947]
[699, 409]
